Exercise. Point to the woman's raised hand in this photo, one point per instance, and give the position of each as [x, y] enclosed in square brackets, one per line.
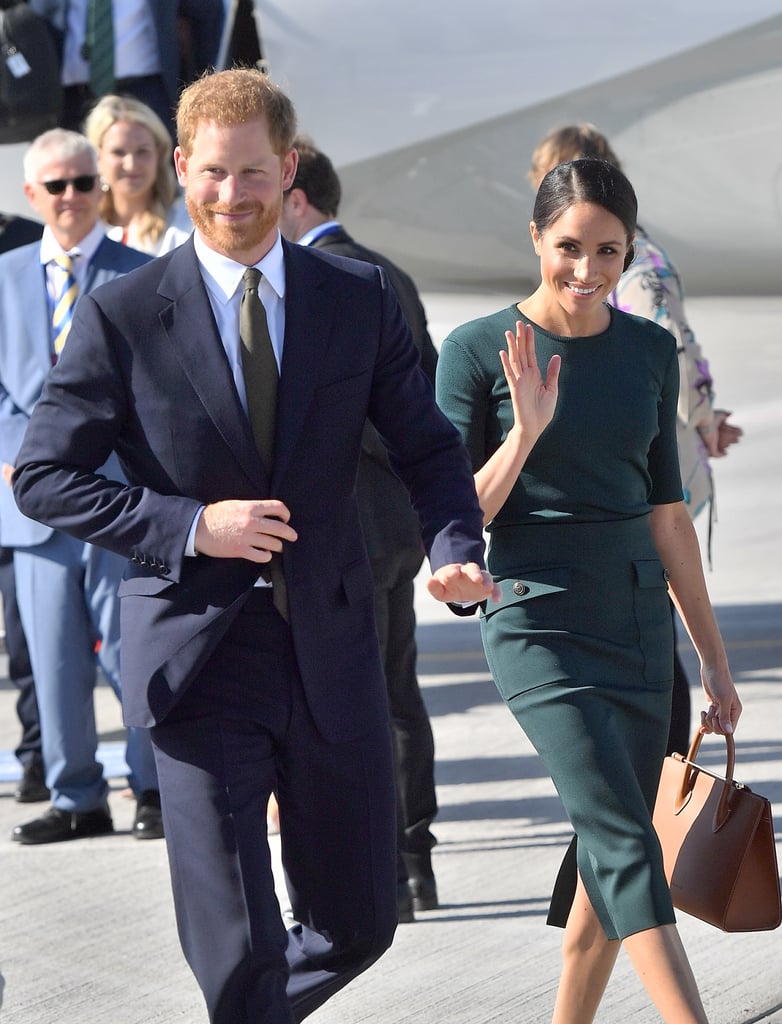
[534, 399]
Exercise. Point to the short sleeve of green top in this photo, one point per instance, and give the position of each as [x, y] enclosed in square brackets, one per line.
[609, 452]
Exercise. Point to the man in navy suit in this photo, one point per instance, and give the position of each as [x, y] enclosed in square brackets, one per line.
[248, 634]
[66, 589]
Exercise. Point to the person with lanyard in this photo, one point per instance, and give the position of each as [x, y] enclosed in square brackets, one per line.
[66, 589]
[393, 536]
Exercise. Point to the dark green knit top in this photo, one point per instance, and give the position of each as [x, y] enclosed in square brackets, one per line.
[610, 450]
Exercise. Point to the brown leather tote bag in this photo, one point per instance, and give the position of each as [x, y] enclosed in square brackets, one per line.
[717, 838]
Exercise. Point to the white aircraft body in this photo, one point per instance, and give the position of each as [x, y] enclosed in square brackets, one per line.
[430, 110]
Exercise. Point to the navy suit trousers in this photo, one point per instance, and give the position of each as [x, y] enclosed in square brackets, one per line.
[242, 731]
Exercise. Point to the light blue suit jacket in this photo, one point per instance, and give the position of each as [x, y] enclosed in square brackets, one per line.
[26, 359]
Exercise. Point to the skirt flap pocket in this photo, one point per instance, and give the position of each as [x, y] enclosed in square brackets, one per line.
[650, 572]
[528, 585]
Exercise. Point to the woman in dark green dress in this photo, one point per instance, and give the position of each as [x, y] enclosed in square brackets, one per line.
[578, 477]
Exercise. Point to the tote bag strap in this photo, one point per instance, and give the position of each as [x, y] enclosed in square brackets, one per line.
[722, 811]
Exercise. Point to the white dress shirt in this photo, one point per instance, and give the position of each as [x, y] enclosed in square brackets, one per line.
[327, 228]
[224, 286]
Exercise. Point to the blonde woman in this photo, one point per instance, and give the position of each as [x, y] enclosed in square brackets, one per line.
[140, 198]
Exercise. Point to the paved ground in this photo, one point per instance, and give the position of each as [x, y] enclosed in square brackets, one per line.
[86, 928]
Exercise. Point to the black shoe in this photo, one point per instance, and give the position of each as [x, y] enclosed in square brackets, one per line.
[404, 903]
[56, 826]
[424, 893]
[148, 823]
[32, 788]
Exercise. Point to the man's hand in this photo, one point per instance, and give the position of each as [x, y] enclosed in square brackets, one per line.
[243, 529]
[463, 584]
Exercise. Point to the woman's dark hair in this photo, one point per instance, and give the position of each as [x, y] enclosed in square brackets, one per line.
[586, 181]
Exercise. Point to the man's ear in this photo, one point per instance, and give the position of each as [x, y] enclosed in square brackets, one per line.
[289, 164]
[180, 166]
[296, 198]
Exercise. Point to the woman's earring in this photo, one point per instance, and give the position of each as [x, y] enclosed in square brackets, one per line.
[104, 186]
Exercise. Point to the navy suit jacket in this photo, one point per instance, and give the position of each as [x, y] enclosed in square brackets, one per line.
[144, 372]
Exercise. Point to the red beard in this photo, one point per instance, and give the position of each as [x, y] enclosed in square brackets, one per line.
[234, 238]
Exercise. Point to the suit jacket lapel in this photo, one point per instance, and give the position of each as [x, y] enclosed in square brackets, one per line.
[103, 266]
[308, 317]
[190, 326]
[95, 268]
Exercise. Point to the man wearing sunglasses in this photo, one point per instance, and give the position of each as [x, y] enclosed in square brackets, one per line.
[66, 590]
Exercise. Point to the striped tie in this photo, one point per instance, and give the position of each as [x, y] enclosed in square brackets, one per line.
[99, 46]
[65, 302]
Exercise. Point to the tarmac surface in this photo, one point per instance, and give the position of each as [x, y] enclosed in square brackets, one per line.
[86, 928]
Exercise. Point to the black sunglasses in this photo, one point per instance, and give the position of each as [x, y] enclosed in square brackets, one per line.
[84, 183]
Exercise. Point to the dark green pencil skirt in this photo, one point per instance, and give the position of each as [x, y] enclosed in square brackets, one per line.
[581, 650]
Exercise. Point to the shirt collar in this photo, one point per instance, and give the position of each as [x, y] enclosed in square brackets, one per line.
[86, 248]
[314, 234]
[225, 275]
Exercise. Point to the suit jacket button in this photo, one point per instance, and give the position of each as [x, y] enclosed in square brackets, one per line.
[520, 589]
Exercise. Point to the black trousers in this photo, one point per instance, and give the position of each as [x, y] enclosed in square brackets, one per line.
[410, 726]
[19, 669]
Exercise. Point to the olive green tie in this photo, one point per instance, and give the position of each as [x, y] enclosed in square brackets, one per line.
[99, 46]
[259, 368]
